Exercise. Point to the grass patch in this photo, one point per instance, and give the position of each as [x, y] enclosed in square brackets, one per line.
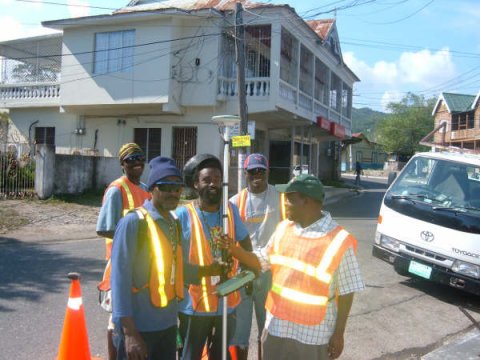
[10, 220]
[89, 198]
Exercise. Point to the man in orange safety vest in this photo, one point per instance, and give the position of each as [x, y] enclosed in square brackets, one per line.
[123, 194]
[314, 276]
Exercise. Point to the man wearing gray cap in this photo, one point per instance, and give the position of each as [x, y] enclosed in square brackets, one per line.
[147, 270]
[314, 276]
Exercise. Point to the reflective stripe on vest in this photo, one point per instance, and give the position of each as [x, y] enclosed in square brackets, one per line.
[242, 205]
[297, 296]
[130, 202]
[300, 288]
[319, 272]
[283, 210]
[201, 254]
[161, 290]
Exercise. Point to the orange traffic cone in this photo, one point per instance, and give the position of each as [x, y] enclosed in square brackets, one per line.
[74, 341]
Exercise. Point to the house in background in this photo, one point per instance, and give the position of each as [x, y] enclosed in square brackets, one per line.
[155, 72]
[457, 121]
[359, 148]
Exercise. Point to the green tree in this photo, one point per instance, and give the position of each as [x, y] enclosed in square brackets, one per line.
[30, 72]
[409, 121]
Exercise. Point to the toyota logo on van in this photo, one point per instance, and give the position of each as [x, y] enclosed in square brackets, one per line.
[427, 236]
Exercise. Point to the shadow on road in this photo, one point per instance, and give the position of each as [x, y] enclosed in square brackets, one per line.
[30, 271]
[445, 293]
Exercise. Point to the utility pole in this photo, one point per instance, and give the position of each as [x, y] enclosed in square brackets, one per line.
[240, 57]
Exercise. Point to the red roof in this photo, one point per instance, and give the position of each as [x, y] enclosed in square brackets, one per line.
[321, 27]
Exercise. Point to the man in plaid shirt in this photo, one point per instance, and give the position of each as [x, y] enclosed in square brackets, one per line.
[315, 275]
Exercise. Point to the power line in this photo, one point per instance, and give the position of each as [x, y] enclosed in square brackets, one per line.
[69, 5]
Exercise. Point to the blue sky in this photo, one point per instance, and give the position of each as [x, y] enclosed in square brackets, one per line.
[394, 46]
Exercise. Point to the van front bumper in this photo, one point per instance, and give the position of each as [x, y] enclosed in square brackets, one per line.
[441, 275]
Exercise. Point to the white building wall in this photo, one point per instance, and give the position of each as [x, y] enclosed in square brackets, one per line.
[147, 83]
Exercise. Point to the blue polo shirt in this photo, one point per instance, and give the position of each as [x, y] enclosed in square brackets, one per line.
[131, 267]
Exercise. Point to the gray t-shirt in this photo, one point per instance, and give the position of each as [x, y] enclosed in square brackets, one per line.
[262, 214]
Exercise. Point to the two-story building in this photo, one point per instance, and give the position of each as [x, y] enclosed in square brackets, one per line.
[457, 121]
[155, 72]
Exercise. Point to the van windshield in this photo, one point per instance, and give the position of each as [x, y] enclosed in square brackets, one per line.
[446, 185]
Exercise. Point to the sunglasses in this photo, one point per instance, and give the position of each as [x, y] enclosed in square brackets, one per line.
[134, 158]
[256, 171]
[169, 187]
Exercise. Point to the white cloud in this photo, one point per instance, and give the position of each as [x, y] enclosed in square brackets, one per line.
[386, 81]
[78, 8]
[16, 30]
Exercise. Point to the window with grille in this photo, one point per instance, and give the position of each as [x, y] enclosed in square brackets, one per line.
[289, 58]
[114, 52]
[257, 52]
[150, 140]
[184, 144]
[45, 135]
[257, 44]
[321, 82]
[335, 92]
[306, 70]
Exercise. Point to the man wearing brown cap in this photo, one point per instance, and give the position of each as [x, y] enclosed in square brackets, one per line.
[122, 195]
[314, 276]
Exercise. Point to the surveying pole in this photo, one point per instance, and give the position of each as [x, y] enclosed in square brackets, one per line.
[240, 57]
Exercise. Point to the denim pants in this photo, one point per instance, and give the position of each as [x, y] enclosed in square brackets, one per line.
[201, 328]
[244, 311]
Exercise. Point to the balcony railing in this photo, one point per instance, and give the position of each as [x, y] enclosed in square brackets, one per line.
[254, 87]
[29, 91]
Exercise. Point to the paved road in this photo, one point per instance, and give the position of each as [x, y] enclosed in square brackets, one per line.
[395, 318]
[34, 293]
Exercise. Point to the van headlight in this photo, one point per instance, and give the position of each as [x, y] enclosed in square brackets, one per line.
[389, 243]
[466, 269]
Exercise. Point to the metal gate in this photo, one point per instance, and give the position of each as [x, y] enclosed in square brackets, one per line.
[184, 144]
[17, 171]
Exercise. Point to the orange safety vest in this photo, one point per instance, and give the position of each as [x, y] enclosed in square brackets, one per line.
[166, 271]
[203, 297]
[242, 205]
[301, 281]
[133, 196]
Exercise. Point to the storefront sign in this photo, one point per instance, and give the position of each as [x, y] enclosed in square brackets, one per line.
[337, 130]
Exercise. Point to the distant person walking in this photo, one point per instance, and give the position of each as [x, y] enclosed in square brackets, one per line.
[358, 172]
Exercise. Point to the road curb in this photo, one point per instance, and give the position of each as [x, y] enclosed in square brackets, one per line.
[465, 347]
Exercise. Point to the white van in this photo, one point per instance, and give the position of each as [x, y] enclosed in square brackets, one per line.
[429, 222]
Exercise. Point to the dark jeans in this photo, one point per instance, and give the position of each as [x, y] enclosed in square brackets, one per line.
[200, 328]
[277, 348]
[161, 345]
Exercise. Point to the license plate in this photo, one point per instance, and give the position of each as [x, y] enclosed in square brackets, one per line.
[420, 269]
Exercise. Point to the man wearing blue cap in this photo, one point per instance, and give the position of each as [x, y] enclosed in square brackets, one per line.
[314, 276]
[147, 269]
[261, 210]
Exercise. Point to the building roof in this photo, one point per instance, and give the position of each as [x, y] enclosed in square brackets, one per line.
[321, 27]
[220, 5]
[455, 103]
